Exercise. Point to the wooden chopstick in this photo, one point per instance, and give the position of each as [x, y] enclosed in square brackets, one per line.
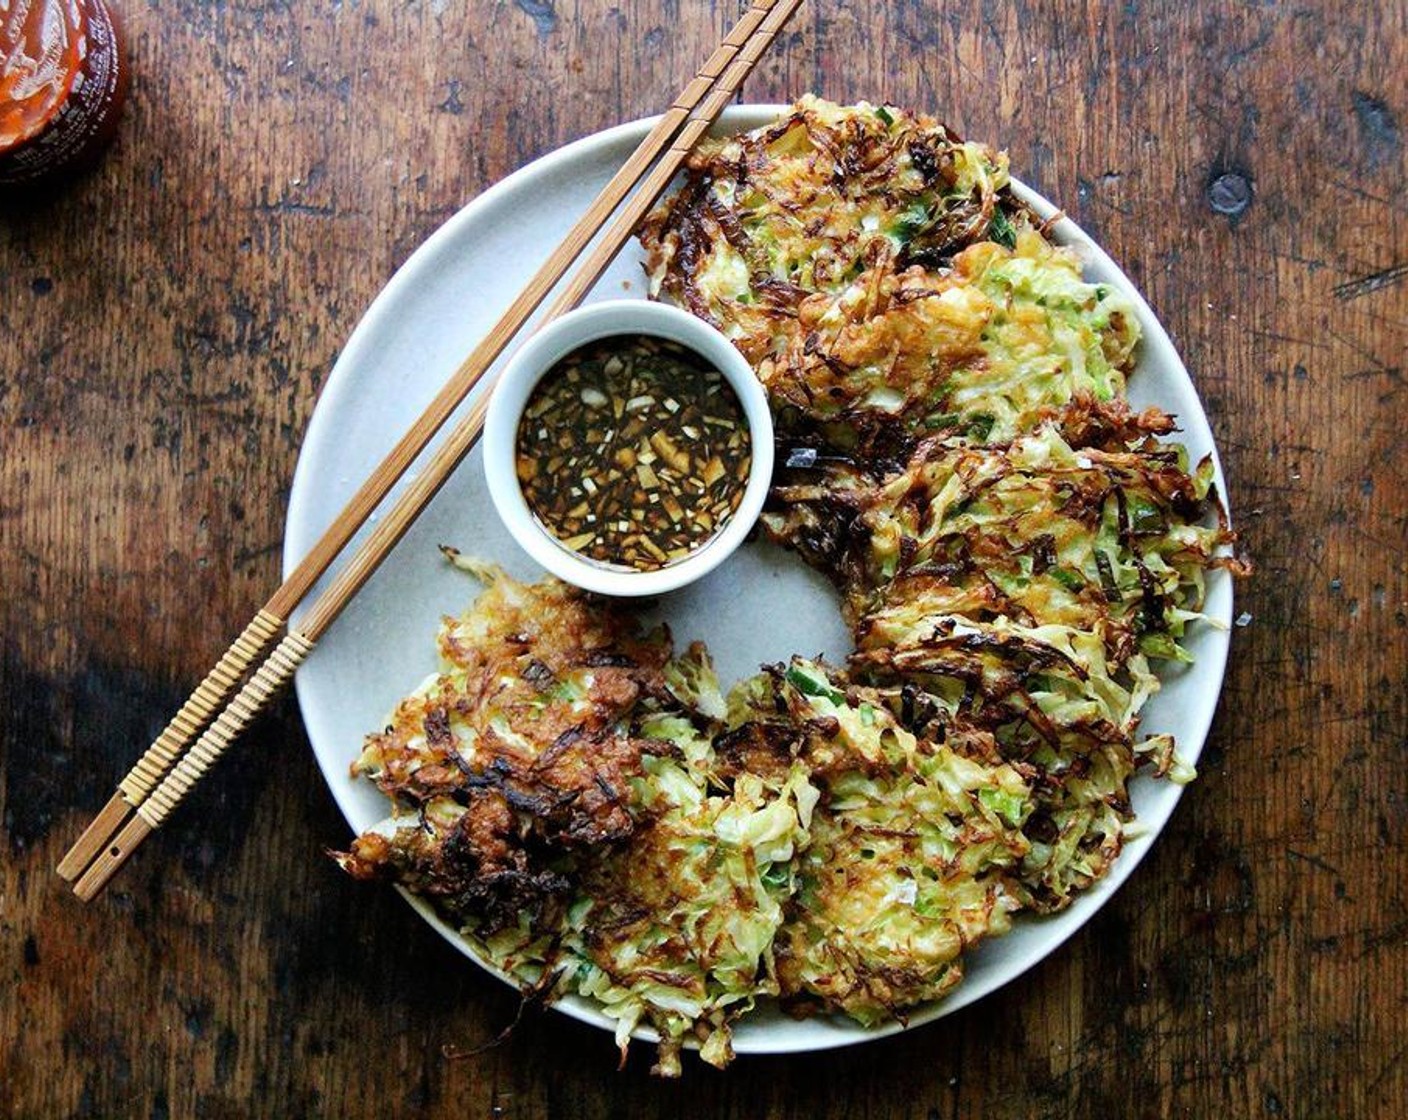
[153, 796]
[221, 681]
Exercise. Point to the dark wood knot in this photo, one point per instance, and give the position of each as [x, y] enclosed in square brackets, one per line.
[1230, 193]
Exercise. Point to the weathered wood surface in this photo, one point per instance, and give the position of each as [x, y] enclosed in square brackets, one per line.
[165, 326]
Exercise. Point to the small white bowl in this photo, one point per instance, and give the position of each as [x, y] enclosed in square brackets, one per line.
[543, 351]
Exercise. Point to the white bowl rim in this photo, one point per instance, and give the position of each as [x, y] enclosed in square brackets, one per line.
[609, 319]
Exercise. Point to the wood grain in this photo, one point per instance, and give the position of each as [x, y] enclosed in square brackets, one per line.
[164, 329]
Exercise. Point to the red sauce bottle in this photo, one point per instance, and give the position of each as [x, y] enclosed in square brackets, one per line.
[63, 79]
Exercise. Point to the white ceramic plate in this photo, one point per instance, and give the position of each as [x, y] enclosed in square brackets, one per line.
[761, 606]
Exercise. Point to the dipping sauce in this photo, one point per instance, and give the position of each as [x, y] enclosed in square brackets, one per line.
[633, 451]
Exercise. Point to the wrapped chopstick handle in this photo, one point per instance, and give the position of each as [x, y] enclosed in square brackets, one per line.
[202, 705]
[268, 681]
[199, 708]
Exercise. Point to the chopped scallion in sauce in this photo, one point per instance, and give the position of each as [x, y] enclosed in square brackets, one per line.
[634, 452]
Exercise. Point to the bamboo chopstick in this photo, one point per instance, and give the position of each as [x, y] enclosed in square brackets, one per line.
[218, 685]
[154, 797]
[264, 628]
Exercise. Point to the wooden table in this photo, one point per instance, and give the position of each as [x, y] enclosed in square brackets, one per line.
[165, 326]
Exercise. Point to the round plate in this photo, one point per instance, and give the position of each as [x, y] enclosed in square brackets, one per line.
[432, 313]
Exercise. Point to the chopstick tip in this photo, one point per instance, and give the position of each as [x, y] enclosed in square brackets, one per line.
[102, 869]
[102, 829]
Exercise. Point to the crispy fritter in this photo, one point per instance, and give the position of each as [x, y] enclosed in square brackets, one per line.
[677, 928]
[1013, 545]
[804, 205]
[574, 823]
[1050, 703]
[532, 677]
[530, 726]
[880, 277]
[1026, 586]
[910, 846]
[1036, 531]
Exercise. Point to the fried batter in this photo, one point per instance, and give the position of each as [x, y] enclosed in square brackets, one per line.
[1015, 548]
[911, 845]
[880, 276]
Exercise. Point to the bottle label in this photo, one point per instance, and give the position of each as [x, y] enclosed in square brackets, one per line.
[87, 117]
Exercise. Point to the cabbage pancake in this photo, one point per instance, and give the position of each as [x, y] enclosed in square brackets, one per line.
[1016, 551]
[555, 798]
[1028, 587]
[633, 837]
[883, 280]
[912, 845]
